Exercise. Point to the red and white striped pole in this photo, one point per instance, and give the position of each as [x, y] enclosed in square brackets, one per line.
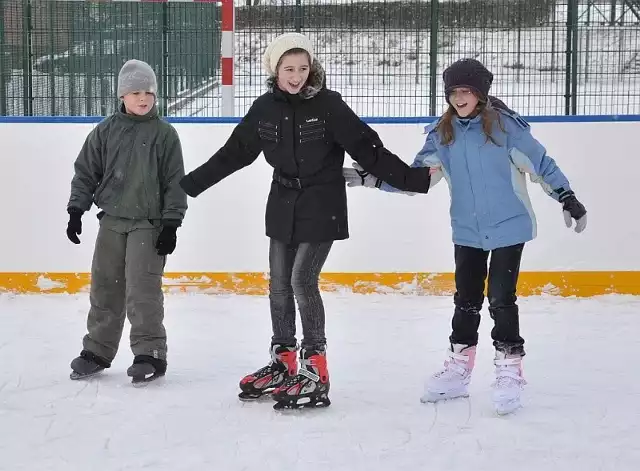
[228, 40]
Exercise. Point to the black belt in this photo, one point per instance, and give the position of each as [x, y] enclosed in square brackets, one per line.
[297, 183]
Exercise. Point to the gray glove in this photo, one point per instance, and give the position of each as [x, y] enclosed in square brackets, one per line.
[357, 176]
[572, 210]
[581, 223]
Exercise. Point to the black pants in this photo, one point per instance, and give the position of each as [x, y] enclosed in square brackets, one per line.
[295, 270]
[471, 273]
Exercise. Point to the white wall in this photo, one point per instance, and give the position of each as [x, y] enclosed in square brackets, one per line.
[224, 228]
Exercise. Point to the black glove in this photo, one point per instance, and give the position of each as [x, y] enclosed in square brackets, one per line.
[74, 227]
[572, 209]
[167, 239]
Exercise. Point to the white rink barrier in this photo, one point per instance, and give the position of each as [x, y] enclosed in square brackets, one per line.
[397, 244]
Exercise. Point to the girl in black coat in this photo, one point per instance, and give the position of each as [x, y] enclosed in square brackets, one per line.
[303, 129]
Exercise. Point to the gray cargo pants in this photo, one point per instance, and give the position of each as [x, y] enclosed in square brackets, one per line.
[126, 279]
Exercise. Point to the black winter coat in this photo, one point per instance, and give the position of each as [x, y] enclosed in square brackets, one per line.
[304, 140]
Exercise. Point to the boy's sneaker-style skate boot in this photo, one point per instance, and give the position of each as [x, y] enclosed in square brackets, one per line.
[508, 384]
[146, 368]
[310, 387]
[87, 364]
[283, 365]
[453, 380]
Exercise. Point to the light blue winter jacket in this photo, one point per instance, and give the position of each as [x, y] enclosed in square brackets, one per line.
[490, 206]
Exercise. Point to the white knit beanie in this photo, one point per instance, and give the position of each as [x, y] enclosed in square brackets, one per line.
[282, 44]
[136, 76]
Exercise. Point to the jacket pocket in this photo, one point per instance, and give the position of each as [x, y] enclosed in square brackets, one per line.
[268, 131]
[99, 194]
[313, 131]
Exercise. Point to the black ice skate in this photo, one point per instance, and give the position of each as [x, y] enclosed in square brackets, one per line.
[146, 368]
[310, 387]
[87, 365]
[283, 365]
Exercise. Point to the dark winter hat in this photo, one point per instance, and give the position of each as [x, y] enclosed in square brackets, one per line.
[467, 73]
[136, 76]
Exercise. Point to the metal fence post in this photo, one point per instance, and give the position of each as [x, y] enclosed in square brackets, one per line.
[433, 58]
[553, 41]
[27, 89]
[574, 59]
[298, 19]
[569, 53]
[612, 17]
[587, 45]
[163, 84]
[3, 83]
[52, 71]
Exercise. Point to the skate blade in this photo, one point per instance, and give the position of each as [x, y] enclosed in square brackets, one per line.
[143, 381]
[77, 376]
[248, 397]
[283, 406]
[507, 407]
[432, 397]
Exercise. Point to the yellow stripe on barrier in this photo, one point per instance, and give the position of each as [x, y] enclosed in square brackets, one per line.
[572, 283]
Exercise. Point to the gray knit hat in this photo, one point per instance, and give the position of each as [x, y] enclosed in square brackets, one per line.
[136, 76]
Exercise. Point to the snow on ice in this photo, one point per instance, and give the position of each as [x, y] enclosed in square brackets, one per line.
[581, 404]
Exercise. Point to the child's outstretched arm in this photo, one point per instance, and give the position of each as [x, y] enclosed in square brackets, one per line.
[529, 156]
[365, 147]
[427, 157]
[241, 149]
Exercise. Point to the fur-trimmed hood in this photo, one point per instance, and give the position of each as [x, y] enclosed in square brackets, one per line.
[315, 82]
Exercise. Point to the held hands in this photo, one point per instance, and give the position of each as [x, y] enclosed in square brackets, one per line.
[573, 209]
[357, 176]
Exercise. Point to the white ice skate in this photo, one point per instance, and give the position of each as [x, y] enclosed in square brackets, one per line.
[509, 382]
[453, 380]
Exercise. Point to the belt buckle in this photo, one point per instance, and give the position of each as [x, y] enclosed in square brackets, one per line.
[297, 184]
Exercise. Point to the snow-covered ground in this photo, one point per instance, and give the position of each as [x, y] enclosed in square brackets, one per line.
[387, 73]
[581, 408]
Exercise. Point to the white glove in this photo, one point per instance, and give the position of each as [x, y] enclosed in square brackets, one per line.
[357, 176]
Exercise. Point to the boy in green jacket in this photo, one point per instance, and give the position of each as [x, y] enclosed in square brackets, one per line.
[129, 167]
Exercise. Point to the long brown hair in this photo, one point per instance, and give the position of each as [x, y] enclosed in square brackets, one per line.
[488, 116]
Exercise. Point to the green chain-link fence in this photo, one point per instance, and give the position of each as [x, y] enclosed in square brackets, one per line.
[63, 57]
[549, 57]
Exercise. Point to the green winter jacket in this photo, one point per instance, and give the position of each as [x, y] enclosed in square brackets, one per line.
[130, 167]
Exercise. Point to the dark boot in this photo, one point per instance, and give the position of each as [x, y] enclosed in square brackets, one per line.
[87, 364]
[146, 368]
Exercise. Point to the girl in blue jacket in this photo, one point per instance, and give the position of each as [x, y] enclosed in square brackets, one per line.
[483, 150]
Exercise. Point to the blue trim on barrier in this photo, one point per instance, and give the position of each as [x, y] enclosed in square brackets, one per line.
[371, 120]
